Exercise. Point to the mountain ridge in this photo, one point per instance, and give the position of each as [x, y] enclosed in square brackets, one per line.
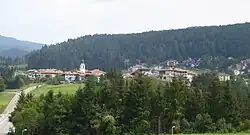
[12, 47]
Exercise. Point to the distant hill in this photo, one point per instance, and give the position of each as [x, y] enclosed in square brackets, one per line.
[13, 52]
[119, 50]
[16, 48]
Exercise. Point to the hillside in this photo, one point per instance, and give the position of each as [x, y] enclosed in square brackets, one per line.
[103, 51]
[11, 47]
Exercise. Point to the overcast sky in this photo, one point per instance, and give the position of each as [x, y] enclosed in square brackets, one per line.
[51, 21]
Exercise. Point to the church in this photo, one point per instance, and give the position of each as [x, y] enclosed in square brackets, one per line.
[82, 73]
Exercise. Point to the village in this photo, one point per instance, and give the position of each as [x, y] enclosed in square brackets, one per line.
[162, 72]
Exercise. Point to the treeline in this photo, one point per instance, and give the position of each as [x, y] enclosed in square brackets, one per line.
[122, 50]
[137, 106]
[8, 79]
[12, 61]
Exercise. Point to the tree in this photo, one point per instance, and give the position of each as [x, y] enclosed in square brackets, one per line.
[137, 104]
[227, 103]
[176, 98]
[2, 85]
[158, 105]
[19, 82]
[108, 126]
[213, 100]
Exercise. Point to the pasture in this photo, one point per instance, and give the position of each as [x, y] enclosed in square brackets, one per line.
[64, 88]
[4, 100]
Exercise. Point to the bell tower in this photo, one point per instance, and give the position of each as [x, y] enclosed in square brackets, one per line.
[82, 67]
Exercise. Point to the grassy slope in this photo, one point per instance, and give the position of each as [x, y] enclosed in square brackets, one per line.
[64, 88]
[4, 100]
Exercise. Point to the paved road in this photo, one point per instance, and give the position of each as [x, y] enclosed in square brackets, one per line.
[4, 120]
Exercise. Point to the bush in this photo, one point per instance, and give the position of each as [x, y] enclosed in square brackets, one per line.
[187, 127]
[2, 87]
[245, 125]
[53, 81]
[222, 126]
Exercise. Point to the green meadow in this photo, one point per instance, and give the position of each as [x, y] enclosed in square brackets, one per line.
[63, 88]
[4, 100]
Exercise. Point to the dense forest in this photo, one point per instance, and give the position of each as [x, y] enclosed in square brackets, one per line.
[114, 106]
[121, 50]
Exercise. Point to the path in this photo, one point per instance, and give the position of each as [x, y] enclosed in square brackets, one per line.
[4, 117]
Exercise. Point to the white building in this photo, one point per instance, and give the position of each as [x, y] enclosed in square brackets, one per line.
[70, 76]
[223, 77]
[176, 72]
[236, 72]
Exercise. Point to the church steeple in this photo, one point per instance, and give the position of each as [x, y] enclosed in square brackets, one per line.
[82, 67]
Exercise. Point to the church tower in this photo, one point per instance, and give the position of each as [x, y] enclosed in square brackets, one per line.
[82, 67]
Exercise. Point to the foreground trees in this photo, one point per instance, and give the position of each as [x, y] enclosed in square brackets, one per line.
[135, 106]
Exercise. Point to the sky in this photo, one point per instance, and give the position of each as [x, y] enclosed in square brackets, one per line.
[54, 21]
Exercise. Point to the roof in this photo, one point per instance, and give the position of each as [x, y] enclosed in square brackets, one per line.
[96, 72]
[223, 74]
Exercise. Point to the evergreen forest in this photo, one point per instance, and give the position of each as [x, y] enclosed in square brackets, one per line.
[119, 51]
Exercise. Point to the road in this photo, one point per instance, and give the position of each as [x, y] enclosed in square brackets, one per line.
[4, 117]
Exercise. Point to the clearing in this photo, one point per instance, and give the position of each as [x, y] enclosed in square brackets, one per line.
[64, 88]
[4, 100]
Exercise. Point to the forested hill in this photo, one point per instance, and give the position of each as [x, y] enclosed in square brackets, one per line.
[102, 51]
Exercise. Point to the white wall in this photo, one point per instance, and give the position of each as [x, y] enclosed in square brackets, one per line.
[70, 78]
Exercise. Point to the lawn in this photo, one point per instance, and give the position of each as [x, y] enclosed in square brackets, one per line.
[64, 88]
[4, 100]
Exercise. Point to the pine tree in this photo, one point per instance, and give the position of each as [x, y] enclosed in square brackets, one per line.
[227, 103]
[158, 106]
[213, 100]
[137, 104]
[48, 124]
[176, 98]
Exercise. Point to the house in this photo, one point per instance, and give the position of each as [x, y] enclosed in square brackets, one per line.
[70, 76]
[172, 63]
[236, 72]
[176, 72]
[223, 77]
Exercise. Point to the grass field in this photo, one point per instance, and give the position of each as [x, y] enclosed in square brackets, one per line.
[4, 100]
[64, 88]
